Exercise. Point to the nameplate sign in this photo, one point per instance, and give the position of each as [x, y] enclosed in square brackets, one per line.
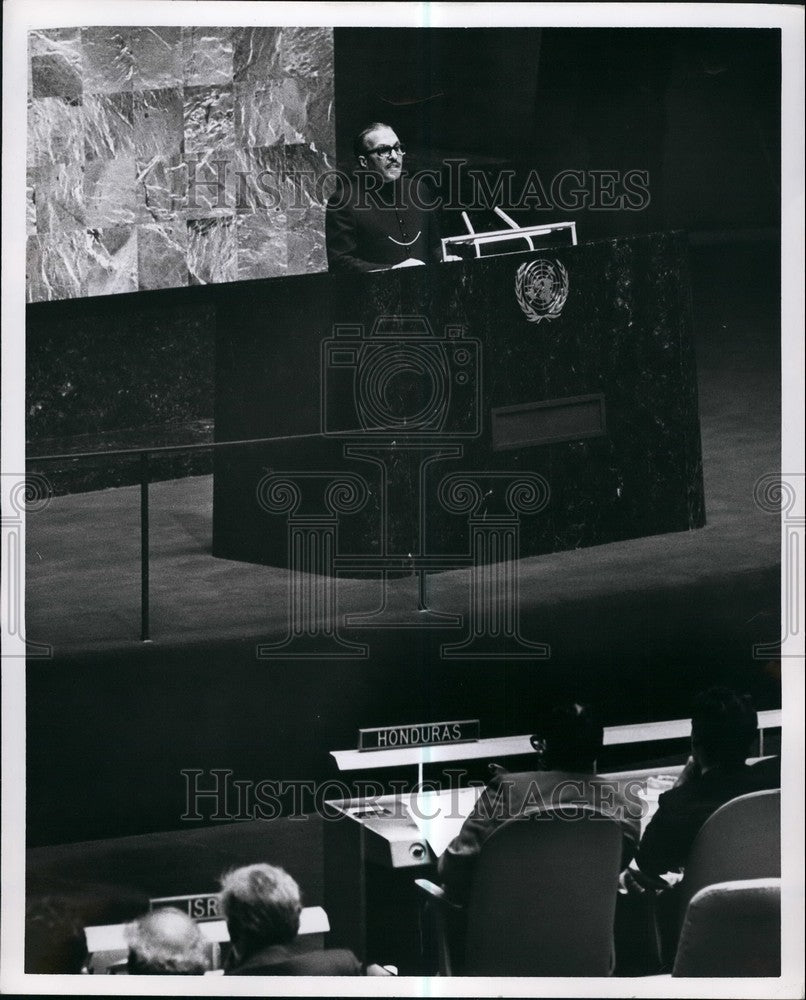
[202, 906]
[424, 734]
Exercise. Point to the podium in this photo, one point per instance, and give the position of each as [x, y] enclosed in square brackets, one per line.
[468, 413]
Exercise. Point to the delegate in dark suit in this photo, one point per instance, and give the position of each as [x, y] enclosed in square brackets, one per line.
[513, 795]
[370, 229]
[569, 743]
[262, 907]
[379, 218]
[723, 726]
[278, 960]
[682, 811]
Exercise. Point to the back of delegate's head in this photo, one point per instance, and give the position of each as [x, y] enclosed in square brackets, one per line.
[55, 941]
[573, 737]
[166, 942]
[261, 905]
[723, 726]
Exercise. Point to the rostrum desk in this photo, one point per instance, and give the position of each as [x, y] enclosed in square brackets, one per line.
[432, 394]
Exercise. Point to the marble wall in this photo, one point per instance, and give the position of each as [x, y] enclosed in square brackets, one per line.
[160, 157]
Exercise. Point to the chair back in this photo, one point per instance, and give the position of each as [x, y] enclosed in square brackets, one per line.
[741, 840]
[732, 929]
[543, 897]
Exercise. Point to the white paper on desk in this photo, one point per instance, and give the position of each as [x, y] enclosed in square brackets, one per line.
[439, 815]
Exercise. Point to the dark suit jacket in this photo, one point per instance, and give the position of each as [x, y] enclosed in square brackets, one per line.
[510, 795]
[370, 229]
[278, 960]
[682, 811]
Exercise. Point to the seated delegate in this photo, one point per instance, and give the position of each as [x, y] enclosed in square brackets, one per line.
[723, 727]
[571, 741]
[262, 906]
[55, 940]
[166, 942]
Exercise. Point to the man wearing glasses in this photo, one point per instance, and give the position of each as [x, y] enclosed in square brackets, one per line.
[382, 219]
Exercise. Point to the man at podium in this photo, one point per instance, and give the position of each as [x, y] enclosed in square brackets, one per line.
[380, 218]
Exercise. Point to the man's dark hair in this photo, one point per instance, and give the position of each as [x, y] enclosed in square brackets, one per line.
[573, 736]
[723, 725]
[55, 941]
[261, 905]
[359, 143]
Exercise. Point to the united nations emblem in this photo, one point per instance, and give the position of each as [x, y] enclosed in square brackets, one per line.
[541, 288]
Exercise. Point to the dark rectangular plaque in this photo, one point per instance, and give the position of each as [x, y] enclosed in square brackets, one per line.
[548, 422]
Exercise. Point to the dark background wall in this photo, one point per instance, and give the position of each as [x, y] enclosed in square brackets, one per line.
[449, 92]
[699, 109]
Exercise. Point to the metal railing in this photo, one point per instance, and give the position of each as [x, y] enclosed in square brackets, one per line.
[144, 457]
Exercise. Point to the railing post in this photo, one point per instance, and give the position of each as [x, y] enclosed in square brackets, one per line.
[144, 566]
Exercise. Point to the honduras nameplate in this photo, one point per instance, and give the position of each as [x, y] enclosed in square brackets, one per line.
[202, 906]
[422, 734]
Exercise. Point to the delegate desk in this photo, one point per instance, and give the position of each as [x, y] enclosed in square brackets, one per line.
[570, 370]
[375, 848]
